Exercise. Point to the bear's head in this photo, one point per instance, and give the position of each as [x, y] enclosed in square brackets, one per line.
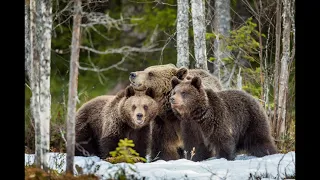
[139, 108]
[157, 77]
[187, 96]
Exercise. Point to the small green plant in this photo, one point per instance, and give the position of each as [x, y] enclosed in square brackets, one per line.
[125, 153]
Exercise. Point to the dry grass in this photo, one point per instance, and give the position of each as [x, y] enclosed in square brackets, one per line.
[32, 173]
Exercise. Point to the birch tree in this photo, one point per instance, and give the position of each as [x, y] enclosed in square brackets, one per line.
[199, 30]
[73, 85]
[27, 36]
[284, 74]
[183, 33]
[40, 54]
[221, 24]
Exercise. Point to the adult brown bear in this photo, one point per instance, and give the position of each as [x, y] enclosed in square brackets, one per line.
[230, 120]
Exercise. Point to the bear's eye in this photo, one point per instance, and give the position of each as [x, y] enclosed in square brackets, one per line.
[183, 93]
[145, 107]
[133, 107]
[150, 74]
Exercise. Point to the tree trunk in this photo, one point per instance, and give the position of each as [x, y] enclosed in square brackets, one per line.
[45, 68]
[27, 44]
[183, 34]
[73, 85]
[199, 29]
[40, 54]
[262, 70]
[221, 23]
[276, 64]
[283, 80]
[266, 74]
[34, 85]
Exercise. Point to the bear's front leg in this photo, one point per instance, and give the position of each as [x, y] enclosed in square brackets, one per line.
[191, 136]
[226, 149]
[164, 143]
[107, 144]
[141, 139]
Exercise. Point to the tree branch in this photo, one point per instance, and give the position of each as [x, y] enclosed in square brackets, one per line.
[96, 69]
[123, 50]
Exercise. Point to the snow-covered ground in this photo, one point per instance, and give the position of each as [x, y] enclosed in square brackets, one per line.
[276, 165]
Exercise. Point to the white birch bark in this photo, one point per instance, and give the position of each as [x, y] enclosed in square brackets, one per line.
[221, 23]
[73, 85]
[199, 30]
[183, 34]
[27, 37]
[283, 80]
[34, 84]
[45, 55]
[39, 72]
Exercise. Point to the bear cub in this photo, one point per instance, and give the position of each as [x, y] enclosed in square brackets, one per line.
[107, 119]
[128, 117]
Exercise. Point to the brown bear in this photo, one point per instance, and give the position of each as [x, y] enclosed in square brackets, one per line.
[128, 117]
[166, 141]
[88, 125]
[230, 120]
[190, 130]
[107, 119]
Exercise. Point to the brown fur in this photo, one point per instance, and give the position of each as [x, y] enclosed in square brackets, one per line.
[230, 120]
[120, 121]
[166, 130]
[88, 125]
[191, 136]
[208, 80]
[115, 119]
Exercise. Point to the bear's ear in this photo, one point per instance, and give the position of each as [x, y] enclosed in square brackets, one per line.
[182, 73]
[150, 92]
[129, 91]
[174, 81]
[196, 82]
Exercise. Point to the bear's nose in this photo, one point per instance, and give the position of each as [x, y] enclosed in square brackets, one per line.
[139, 116]
[171, 99]
[132, 75]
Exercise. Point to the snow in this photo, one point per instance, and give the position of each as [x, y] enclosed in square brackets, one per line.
[276, 165]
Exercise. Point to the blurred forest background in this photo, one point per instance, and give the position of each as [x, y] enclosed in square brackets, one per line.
[120, 36]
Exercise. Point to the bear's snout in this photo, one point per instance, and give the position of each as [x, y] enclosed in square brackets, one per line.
[132, 75]
[171, 100]
[139, 116]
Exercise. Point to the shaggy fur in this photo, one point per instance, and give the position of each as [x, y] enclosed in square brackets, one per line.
[208, 80]
[128, 117]
[107, 119]
[166, 130]
[230, 120]
[88, 126]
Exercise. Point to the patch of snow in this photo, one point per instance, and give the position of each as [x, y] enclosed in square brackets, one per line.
[270, 167]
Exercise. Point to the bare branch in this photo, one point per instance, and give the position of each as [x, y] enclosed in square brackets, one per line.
[96, 69]
[155, 1]
[167, 42]
[122, 50]
[62, 135]
[96, 18]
